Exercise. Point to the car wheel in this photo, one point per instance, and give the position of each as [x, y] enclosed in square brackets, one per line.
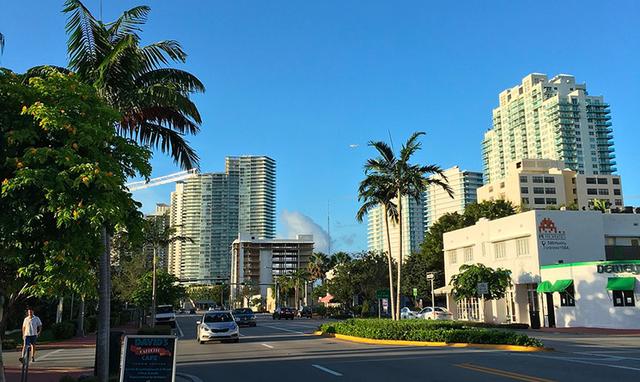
[201, 342]
[254, 324]
[236, 340]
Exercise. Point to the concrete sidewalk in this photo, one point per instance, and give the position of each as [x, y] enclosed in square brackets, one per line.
[45, 375]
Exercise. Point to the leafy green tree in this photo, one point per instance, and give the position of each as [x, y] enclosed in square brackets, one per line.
[431, 249]
[339, 258]
[487, 209]
[406, 179]
[168, 291]
[63, 171]
[207, 292]
[465, 283]
[362, 277]
[600, 205]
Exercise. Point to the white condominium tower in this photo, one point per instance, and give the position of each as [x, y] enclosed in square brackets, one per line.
[550, 119]
[212, 209]
[438, 202]
[412, 229]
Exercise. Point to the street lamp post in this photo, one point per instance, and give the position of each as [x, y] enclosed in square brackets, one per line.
[430, 277]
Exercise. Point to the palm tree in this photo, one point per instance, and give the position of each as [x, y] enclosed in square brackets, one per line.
[300, 276]
[339, 258]
[152, 99]
[318, 266]
[405, 179]
[374, 191]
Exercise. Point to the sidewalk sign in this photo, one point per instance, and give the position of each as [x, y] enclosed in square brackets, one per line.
[148, 358]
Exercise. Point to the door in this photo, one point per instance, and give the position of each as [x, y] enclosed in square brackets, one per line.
[551, 313]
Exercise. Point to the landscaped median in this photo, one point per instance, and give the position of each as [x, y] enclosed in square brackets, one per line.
[431, 333]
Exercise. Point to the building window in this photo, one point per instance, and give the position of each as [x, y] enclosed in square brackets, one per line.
[550, 190]
[500, 250]
[615, 180]
[592, 191]
[623, 298]
[552, 201]
[536, 179]
[538, 201]
[538, 190]
[523, 179]
[602, 181]
[549, 179]
[591, 180]
[567, 296]
[524, 190]
[603, 191]
[618, 202]
[522, 246]
[453, 256]
[616, 191]
[468, 254]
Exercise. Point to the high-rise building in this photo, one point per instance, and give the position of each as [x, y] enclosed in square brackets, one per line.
[438, 202]
[161, 220]
[412, 229]
[213, 208]
[550, 119]
[544, 183]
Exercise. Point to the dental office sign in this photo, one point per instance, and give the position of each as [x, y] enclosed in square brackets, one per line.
[619, 268]
[550, 237]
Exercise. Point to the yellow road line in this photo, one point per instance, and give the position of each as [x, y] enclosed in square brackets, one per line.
[502, 373]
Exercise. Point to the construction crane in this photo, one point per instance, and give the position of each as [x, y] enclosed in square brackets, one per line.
[165, 179]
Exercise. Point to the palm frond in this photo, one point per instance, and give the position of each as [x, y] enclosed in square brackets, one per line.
[84, 34]
[164, 95]
[185, 81]
[129, 23]
[165, 116]
[411, 146]
[159, 53]
[168, 141]
[384, 150]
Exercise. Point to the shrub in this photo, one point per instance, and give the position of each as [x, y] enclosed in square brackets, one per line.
[63, 330]
[90, 324]
[9, 344]
[430, 331]
[158, 330]
[320, 310]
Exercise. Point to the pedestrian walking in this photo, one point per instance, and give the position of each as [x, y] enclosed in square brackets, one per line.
[31, 328]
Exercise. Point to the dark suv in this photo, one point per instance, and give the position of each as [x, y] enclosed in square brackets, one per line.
[286, 313]
[305, 312]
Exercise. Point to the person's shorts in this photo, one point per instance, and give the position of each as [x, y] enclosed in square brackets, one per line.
[30, 340]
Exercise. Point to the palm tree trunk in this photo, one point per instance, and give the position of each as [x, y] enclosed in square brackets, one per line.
[153, 290]
[104, 312]
[398, 294]
[390, 263]
[2, 327]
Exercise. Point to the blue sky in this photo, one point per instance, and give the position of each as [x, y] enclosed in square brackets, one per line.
[302, 81]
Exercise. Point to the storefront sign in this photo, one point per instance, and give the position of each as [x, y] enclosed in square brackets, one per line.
[619, 268]
[550, 237]
[148, 359]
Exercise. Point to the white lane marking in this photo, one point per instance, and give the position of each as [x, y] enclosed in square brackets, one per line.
[327, 370]
[267, 346]
[193, 378]
[283, 329]
[581, 361]
[179, 330]
[48, 354]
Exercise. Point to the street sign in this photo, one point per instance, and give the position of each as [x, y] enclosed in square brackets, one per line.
[383, 293]
[482, 288]
[430, 276]
[415, 292]
[148, 358]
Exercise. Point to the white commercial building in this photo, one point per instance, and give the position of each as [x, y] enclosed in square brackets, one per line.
[438, 202]
[568, 268]
[258, 262]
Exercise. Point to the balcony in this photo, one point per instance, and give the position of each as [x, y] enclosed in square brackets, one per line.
[621, 252]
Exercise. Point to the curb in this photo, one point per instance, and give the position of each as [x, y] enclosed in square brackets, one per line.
[372, 341]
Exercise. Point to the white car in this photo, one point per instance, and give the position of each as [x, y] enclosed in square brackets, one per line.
[165, 315]
[407, 314]
[439, 314]
[217, 326]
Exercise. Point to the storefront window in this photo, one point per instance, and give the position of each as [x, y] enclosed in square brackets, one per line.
[566, 296]
[623, 298]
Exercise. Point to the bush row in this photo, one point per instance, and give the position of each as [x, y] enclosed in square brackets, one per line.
[430, 331]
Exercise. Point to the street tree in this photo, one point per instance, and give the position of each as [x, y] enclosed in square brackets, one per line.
[406, 179]
[318, 266]
[168, 290]
[465, 283]
[487, 209]
[63, 171]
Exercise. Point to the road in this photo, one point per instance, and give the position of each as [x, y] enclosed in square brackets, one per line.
[286, 350]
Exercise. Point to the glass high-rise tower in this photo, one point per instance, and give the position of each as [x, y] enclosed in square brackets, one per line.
[553, 119]
[212, 209]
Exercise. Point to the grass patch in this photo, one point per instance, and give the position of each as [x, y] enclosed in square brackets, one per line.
[429, 331]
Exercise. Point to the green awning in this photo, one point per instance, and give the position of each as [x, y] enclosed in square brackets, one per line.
[561, 285]
[545, 287]
[621, 283]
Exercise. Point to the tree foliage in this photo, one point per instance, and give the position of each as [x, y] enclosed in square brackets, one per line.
[168, 291]
[361, 277]
[466, 281]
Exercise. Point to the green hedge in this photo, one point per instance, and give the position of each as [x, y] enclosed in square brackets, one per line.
[429, 331]
[63, 330]
[9, 344]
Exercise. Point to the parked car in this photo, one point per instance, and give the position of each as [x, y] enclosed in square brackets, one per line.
[165, 315]
[217, 326]
[305, 312]
[407, 314]
[439, 314]
[244, 316]
[286, 313]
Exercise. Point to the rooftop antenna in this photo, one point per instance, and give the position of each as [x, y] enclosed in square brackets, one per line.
[328, 227]
[100, 10]
[390, 139]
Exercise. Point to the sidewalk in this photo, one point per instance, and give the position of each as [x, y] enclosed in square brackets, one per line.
[45, 375]
[596, 331]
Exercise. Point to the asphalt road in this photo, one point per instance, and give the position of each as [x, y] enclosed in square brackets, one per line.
[287, 351]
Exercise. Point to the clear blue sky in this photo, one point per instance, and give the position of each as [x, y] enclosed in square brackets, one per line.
[301, 81]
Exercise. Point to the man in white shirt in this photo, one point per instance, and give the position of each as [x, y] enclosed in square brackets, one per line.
[31, 328]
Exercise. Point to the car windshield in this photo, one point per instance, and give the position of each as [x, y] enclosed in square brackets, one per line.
[164, 309]
[242, 311]
[218, 317]
[425, 310]
[442, 310]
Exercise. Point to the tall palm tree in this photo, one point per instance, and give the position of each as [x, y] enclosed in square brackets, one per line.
[318, 266]
[152, 98]
[405, 179]
[374, 191]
